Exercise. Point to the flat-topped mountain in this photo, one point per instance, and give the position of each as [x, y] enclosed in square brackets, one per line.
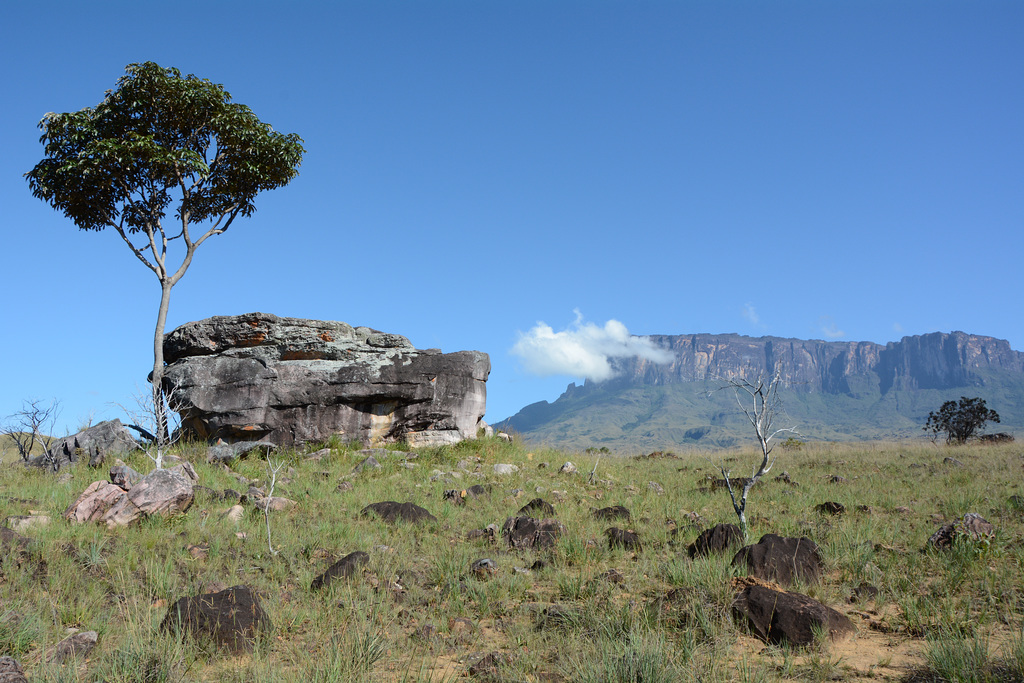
[832, 390]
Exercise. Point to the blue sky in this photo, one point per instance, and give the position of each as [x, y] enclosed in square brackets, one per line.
[837, 170]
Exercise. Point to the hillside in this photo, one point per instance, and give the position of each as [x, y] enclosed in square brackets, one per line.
[832, 391]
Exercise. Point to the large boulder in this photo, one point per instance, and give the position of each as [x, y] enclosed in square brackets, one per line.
[782, 559]
[778, 617]
[290, 381]
[232, 618]
[92, 443]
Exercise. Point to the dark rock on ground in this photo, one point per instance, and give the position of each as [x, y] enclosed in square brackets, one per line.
[367, 463]
[782, 559]
[527, 532]
[862, 592]
[538, 505]
[831, 508]
[77, 645]
[489, 667]
[390, 512]
[718, 539]
[93, 443]
[971, 527]
[344, 568]
[612, 513]
[232, 618]
[460, 496]
[293, 381]
[484, 568]
[622, 538]
[558, 616]
[10, 671]
[737, 483]
[779, 617]
[1001, 437]
[225, 453]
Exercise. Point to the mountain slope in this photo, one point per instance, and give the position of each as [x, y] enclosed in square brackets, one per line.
[832, 391]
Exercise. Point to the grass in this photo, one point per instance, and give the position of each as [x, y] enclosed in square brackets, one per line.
[418, 613]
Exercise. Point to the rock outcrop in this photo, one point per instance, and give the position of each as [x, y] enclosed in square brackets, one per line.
[289, 381]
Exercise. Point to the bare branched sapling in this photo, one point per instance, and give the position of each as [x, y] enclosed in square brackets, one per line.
[272, 469]
[157, 425]
[32, 426]
[759, 401]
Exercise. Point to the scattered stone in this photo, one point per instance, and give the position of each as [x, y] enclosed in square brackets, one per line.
[656, 487]
[784, 478]
[718, 539]
[507, 438]
[782, 559]
[390, 511]
[490, 665]
[611, 513]
[527, 532]
[344, 486]
[78, 645]
[836, 479]
[567, 468]
[232, 618]
[952, 461]
[227, 452]
[317, 456]
[538, 505]
[235, 514]
[1000, 437]
[10, 671]
[459, 496]
[622, 538]
[504, 469]
[779, 617]
[200, 551]
[96, 442]
[613, 576]
[484, 568]
[24, 523]
[971, 527]
[368, 463]
[274, 504]
[558, 616]
[864, 591]
[831, 508]
[344, 568]
[737, 483]
[426, 632]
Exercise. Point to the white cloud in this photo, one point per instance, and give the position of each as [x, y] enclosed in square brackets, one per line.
[751, 314]
[828, 327]
[583, 350]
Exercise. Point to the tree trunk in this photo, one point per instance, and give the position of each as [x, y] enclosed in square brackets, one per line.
[159, 412]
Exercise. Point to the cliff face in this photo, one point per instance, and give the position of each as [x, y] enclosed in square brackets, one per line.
[931, 361]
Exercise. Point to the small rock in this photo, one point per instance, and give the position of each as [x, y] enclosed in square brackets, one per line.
[504, 469]
[862, 592]
[10, 671]
[344, 486]
[274, 504]
[952, 461]
[369, 463]
[234, 514]
[656, 487]
[622, 538]
[567, 468]
[836, 479]
[78, 645]
[971, 527]
[346, 567]
[24, 523]
[611, 513]
[484, 568]
[831, 508]
[538, 505]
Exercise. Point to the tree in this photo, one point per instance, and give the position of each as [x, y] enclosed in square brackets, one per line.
[960, 420]
[32, 426]
[759, 401]
[160, 139]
